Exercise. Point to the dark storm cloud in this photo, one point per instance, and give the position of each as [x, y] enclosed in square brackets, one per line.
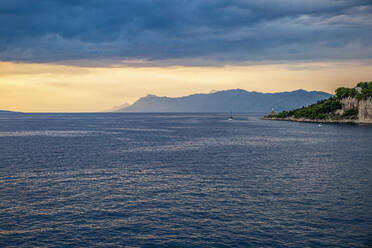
[218, 31]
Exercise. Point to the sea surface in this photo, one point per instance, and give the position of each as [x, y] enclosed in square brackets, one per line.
[183, 180]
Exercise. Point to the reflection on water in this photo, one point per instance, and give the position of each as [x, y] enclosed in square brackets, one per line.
[183, 180]
[201, 143]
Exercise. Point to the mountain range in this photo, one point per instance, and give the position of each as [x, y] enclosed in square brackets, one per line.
[236, 100]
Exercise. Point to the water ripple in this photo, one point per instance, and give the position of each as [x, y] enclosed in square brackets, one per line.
[188, 180]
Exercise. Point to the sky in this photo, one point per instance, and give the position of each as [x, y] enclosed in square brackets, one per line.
[92, 55]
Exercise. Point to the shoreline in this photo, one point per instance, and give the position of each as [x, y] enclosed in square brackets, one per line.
[319, 121]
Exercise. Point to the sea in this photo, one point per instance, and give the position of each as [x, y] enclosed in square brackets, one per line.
[183, 180]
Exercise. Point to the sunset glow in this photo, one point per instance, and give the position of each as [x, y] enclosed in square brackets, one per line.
[60, 88]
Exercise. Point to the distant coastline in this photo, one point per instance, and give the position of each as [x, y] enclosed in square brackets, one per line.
[7, 112]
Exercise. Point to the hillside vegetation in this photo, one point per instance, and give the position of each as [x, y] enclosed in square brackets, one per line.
[365, 91]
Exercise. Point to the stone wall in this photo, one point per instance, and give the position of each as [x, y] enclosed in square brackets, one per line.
[364, 107]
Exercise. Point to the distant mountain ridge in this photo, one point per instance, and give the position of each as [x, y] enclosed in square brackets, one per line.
[236, 100]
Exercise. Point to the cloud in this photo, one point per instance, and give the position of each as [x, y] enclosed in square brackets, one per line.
[184, 32]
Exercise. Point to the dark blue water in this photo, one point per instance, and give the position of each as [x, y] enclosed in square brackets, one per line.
[183, 180]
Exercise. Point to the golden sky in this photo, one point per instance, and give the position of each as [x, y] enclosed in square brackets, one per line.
[31, 87]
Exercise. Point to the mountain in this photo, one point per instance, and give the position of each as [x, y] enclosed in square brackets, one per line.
[118, 108]
[236, 100]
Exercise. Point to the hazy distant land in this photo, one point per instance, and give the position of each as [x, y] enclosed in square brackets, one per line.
[236, 100]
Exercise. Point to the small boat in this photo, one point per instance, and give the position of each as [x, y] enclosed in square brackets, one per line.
[320, 125]
[231, 117]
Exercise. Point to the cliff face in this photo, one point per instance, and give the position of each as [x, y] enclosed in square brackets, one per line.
[364, 108]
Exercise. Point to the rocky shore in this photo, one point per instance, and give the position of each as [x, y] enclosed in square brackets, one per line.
[344, 121]
[348, 105]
